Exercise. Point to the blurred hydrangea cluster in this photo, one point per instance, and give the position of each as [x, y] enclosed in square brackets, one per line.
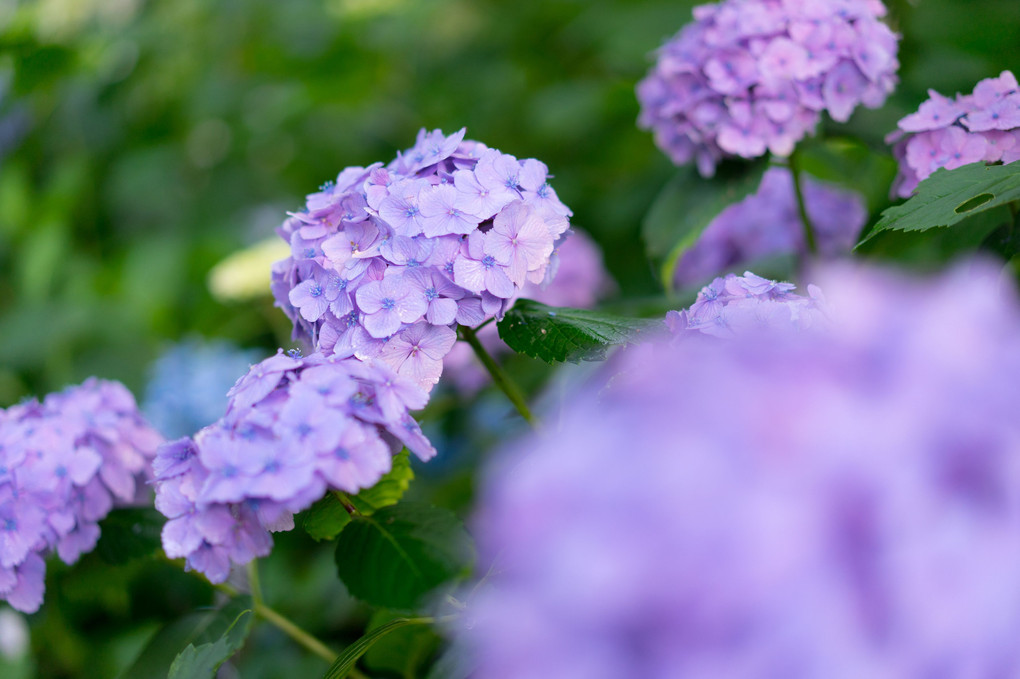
[750, 76]
[187, 384]
[388, 259]
[768, 223]
[64, 464]
[738, 305]
[824, 504]
[295, 428]
[581, 280]
[981, 126]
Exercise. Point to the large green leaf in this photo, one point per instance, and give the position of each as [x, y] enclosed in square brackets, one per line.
[201, 662]
[394, 556]
[326, 518]
[949, 197]
[688, 204]
[557, 334]
[197, 628]
[129, 533]
[346, 660]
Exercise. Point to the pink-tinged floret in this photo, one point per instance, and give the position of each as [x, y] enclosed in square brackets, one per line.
[750, 76]
[983, 126]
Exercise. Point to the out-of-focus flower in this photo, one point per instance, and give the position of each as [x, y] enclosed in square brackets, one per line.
[242, 276]
[580, 281]
[842, 503]
[736, 305]
[449, 232]
[188, 385]
[768, 223]
[64, 463]
[982, 126]
[294, 428]
[750, 76]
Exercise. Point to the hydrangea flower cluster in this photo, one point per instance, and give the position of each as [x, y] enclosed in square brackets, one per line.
[750, 76]
[841, 504]
[295, 427]
[187, 383]
[768, 223]
[581, 281]
[981, 126]
[64, 464]
[738, 305]
[387, 260]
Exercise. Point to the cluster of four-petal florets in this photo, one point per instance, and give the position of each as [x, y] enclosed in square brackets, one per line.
[387, 260]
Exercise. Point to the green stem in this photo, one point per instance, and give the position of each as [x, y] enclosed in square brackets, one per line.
[253, 583]
[809, 231]
[499, 376]
[296, 633]
[283, 624]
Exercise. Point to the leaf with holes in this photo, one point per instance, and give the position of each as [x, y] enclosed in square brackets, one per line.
[398, 554]
[558, 334]
[948, 197]
[688, 204]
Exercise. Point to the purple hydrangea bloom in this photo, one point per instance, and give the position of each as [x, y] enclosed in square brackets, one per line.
[834, 504]
[983, 126]
[737, 305]
[580, 281]
[295, 427]
[64, 464]
[449, 232]
[750, 76]
[768, 223]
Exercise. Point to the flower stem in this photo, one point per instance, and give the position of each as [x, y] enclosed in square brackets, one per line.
[499, 376]
[253, 583]
[798, 190]
[294, 632]
[271, 616]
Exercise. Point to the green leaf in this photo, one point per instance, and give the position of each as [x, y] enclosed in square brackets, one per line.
[389, 489]
[201, 662]
[557, 334]
[128, 534]
[326, 518]
[403, 651]
[196, 628]
[688, 204]
[948, 197]
[346, 660]
[396, 555]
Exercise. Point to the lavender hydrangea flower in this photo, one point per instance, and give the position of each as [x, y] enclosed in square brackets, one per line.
[983, 126]
[580, 281]
[750, 76]
[64, 464]
[835, 504]
[736, 305]
[294, 428]
[768, 223]
[449, 231]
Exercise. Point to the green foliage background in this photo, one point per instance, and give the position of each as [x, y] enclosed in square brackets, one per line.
[163, 135]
